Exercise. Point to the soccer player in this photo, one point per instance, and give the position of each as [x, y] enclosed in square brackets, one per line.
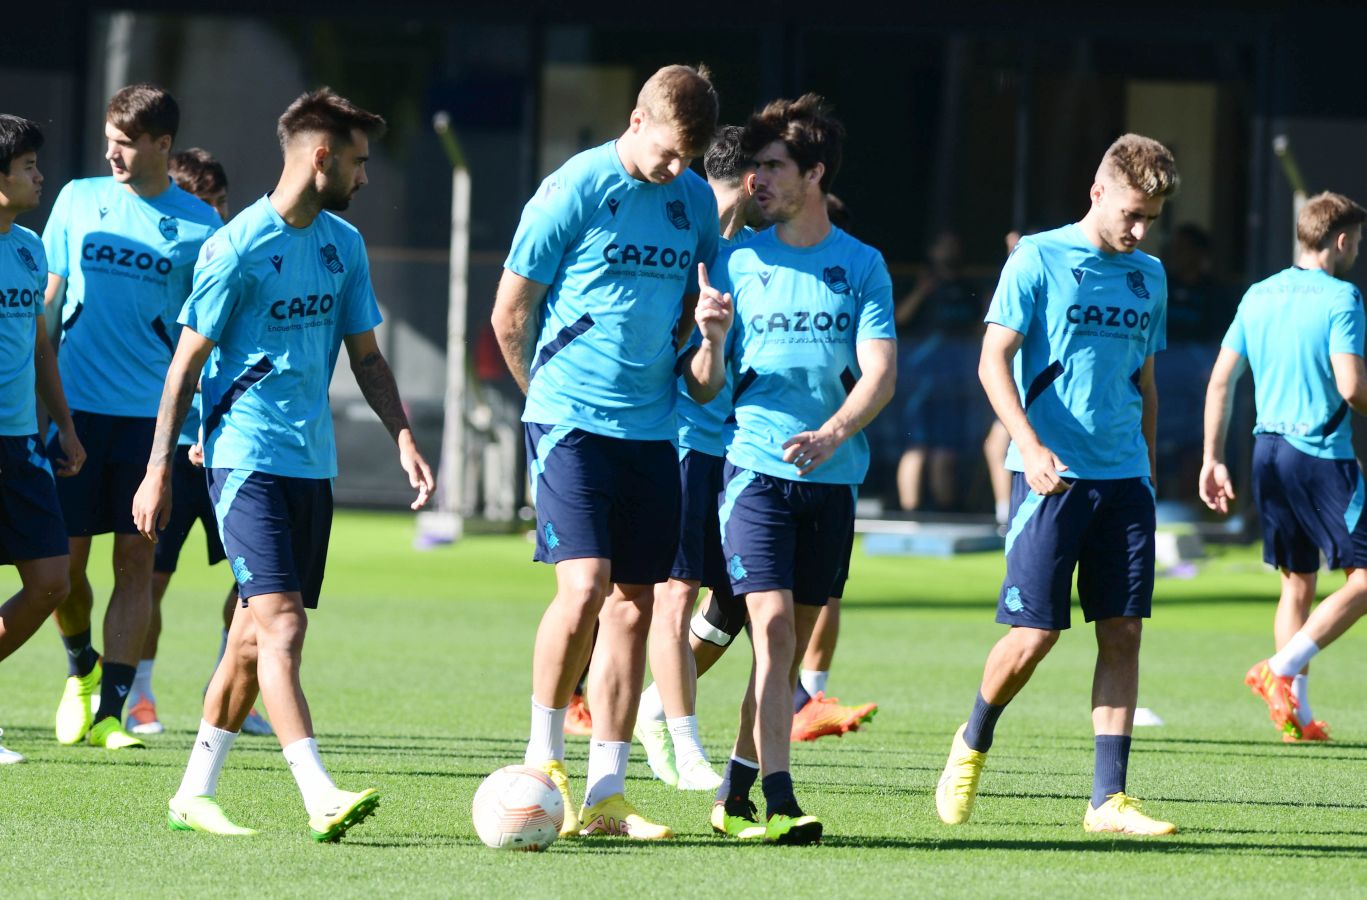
[194, 170]
[32, 534]
[666, 722]
[120, 253]
[813, 360]
[1301, 332]
[276, 294]
[1067, 363]
[597, 296]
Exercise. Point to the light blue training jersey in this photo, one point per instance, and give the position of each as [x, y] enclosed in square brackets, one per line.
[277, 300]
[1287, 326]
[701, 424]
[801, 312]
[128, 262]
[23, 277]
[1090, 320]
[619, 255]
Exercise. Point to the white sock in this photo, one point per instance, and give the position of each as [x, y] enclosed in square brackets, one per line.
[687, 748]
[1003, 511]
[813, 682]
[206, 761]
[547, 740]
[307, 768]
[652, 708]
[142, 682]
[1294, 657]
[607, 770]
[1300, 686]
[222, 648]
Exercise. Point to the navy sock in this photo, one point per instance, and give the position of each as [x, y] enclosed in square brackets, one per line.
[778, 795]
[114, 688]
[800, 698]
[80, 656]
[734, 791]
[1112, 763]
[981, 724]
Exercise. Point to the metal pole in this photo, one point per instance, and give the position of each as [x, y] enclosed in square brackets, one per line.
[445, 524]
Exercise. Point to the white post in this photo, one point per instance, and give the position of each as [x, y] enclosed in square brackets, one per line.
[445, 524]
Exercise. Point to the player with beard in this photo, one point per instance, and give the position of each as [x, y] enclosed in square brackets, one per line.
[276, 294]
[1300, 332]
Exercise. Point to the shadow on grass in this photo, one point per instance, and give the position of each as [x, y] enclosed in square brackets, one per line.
[1106, 844]
[1166, 597]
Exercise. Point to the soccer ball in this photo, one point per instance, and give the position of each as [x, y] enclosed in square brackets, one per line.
[518, 808]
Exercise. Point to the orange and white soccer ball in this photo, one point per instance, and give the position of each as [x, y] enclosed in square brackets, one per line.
[518, 808]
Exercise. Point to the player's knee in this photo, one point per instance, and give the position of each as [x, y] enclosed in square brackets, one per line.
[1120, 636]
[50, 586]
[1033, 644]
[582, 598]
[133, 565]
[627, 615]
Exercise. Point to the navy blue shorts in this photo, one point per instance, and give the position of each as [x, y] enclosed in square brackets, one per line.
[699, 557]
[1103, 529]
[607, 498]
[99, 498]
[785, 535]
[275, 530]
[189, 504]
[1308, 505]
[31, 525]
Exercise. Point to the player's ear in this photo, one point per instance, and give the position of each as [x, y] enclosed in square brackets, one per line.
[321, 153]
[749, 183]
[637, 121]
[163, 144]
[816, 173]
[1098, 191]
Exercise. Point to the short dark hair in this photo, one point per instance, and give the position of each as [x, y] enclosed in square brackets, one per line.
[724, 160]
[17, 137]
[682, 96]
[195, 170]
[327, 112]
[806, 127]
[144, 109]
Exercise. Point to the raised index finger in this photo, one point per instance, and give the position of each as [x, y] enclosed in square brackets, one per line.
[702, 276]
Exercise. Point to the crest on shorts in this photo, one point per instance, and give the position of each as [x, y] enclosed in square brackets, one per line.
[552, 539]
[835, 279]
[674, 209]
[736, 568]
[169, 228]
[1135, 280]
[240, 571]
[1013, 599]
[331, 262]
[28, 259]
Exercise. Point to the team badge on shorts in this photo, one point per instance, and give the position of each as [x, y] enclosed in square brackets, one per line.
[28, 259]
[835, 279]
[1013, 599]
[736, 568]
[1135, 280]
[240, 571]
[331, 261]
[169, 228]
[677, 217]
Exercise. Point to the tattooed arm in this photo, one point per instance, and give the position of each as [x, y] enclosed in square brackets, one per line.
[152, 503]
[377, 384]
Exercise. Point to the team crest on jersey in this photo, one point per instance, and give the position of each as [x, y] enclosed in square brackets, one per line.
[169, 228]
[28, 259]
[331, 262]
[677, 217]
[835, 279]
[1135, 280]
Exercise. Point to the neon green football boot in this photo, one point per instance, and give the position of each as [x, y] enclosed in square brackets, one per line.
[745, 827]
[109, 734]
[345, 810]
[202, 814]
[73, 711]
[792, 830]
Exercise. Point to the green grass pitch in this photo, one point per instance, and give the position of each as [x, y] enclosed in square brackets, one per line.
[417, 668]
